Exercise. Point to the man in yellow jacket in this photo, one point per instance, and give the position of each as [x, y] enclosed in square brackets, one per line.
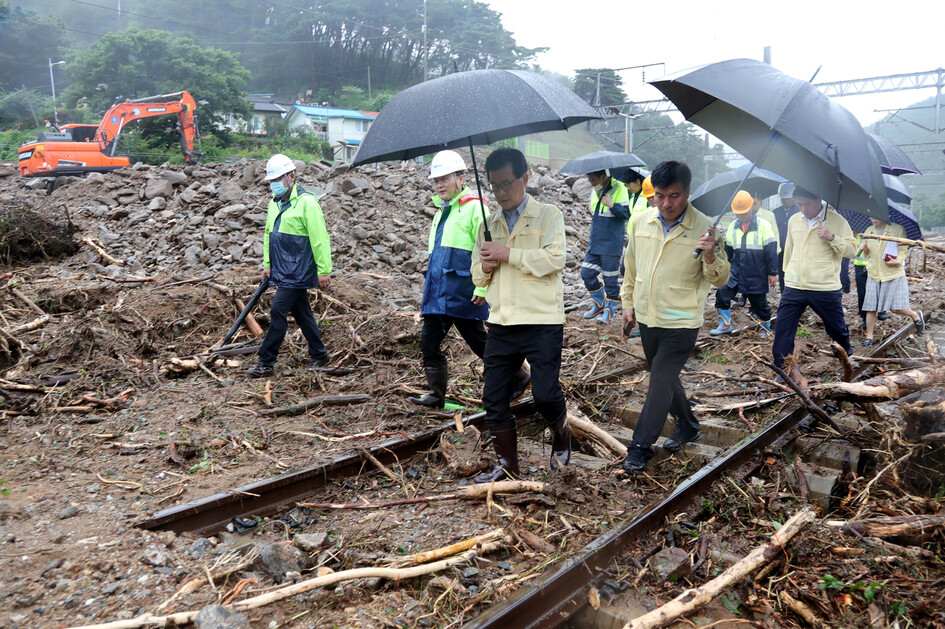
[664, 290]
[521, 268]
[817, 239]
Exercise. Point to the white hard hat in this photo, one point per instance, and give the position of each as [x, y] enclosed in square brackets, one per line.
[446, 162]
[277, 166]
[786, 190]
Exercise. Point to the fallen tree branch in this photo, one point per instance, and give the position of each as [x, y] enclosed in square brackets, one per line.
[323, 400]
[471, 492]
[905, 241]
[101, 251]
[29, 302]
[891, 386]
[844, 359]
[918, 527]
[809, 404]
[584, 428]
[694, 598]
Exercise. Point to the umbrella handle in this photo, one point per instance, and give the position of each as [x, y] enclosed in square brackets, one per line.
[487, 236]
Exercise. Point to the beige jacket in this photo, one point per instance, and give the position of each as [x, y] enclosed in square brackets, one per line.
[810, 262]
[664, 284]
[528, 289]
[876, 268]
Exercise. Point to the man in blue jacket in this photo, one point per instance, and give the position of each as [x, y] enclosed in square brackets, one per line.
[449, 297]
[296, 257]
[752, 248]
[610, 209]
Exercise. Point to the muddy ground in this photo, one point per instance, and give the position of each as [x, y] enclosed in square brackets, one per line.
[97, 434]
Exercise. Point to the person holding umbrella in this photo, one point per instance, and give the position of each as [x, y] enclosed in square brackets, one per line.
[296, 257]
[665, 289]
[610, 209]
[521, 269]
[887, 287]
[817, 239]
[751, 246]
[449, 297]
[782, 213]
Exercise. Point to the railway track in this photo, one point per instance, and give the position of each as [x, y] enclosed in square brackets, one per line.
[548, 601]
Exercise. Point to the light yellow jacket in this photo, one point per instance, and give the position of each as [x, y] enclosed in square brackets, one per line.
[875, 267]
[810, 262]
[528, 289]
[664, 284]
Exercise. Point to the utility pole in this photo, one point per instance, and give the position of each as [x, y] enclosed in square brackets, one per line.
[369, 84]
[597, 97]
[705, 159]
[424, 40]
[119, 15]
[767, 57]
[52, 84]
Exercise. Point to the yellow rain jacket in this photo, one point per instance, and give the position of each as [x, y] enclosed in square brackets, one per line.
[875, 267]
[528, 289]
[810, 262]
[664, 284]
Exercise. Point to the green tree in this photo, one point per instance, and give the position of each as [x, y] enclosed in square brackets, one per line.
[586, 84]
[930, 211]
[27, 42]
[136, 64]
[656, 139]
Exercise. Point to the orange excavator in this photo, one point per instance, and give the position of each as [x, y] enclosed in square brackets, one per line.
[78, 149]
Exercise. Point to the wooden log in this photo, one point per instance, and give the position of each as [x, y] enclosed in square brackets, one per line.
[251, 322]
[29, 326]
[905, 241]
[584, 428]
[915, 529]
[886, 387]
[322, 400]
[694, 598]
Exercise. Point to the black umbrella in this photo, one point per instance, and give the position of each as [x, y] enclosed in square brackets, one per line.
[785, 125]
[892, 159]
[897, 214]
[468, 108]
[896, 190]
[713, 196]
[601, 160]
[621, 172]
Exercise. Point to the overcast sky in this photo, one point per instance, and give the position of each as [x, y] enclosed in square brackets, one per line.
[850, 40]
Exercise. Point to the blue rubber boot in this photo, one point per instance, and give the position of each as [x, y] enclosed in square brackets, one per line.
[607, 315]
[765, 329]
[598, 305]
[725, 323]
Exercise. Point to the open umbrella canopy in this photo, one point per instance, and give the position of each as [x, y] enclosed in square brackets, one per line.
[601, 160]
[896, 190]
[469, 108]
[785, 125]
[713, 196]
[621, 172]
[897, 214]
[892, 159]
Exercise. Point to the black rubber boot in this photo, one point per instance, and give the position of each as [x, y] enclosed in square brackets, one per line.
[505, 441]
[437, 378]
[560, 443]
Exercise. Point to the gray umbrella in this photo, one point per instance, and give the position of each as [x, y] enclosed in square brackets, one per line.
[896, 190]
[601, 160]
[892, 159]
[469, 108]
[713, 196]
[785, 125]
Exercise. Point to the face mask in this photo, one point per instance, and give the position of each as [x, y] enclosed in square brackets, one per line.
[278, 188]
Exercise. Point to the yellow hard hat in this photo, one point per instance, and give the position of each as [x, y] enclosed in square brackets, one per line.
[648, 190]
[742, 202]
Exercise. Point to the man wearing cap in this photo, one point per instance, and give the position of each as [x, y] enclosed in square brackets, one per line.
[521, 268]
[782, 214]
[449, 297]
[752, 249]
[817, 239]
[296, 257]
[610, 209]
[665, 289]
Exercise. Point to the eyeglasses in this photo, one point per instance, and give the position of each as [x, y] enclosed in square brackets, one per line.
[503, 187]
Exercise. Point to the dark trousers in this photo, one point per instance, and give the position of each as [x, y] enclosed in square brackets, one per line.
[666, 351]
[506, 348]
[845, 274]
[781, 268]
[295, 301]
[826, 304]
[435, 329]
[759, 302]
[859, 272]
[606, 266]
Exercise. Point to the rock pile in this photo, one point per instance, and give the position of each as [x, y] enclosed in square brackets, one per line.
[210, 217]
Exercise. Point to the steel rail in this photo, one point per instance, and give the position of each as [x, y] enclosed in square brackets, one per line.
[265, 497]
[552, 599]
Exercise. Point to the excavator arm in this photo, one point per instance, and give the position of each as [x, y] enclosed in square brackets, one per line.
[121, 114]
